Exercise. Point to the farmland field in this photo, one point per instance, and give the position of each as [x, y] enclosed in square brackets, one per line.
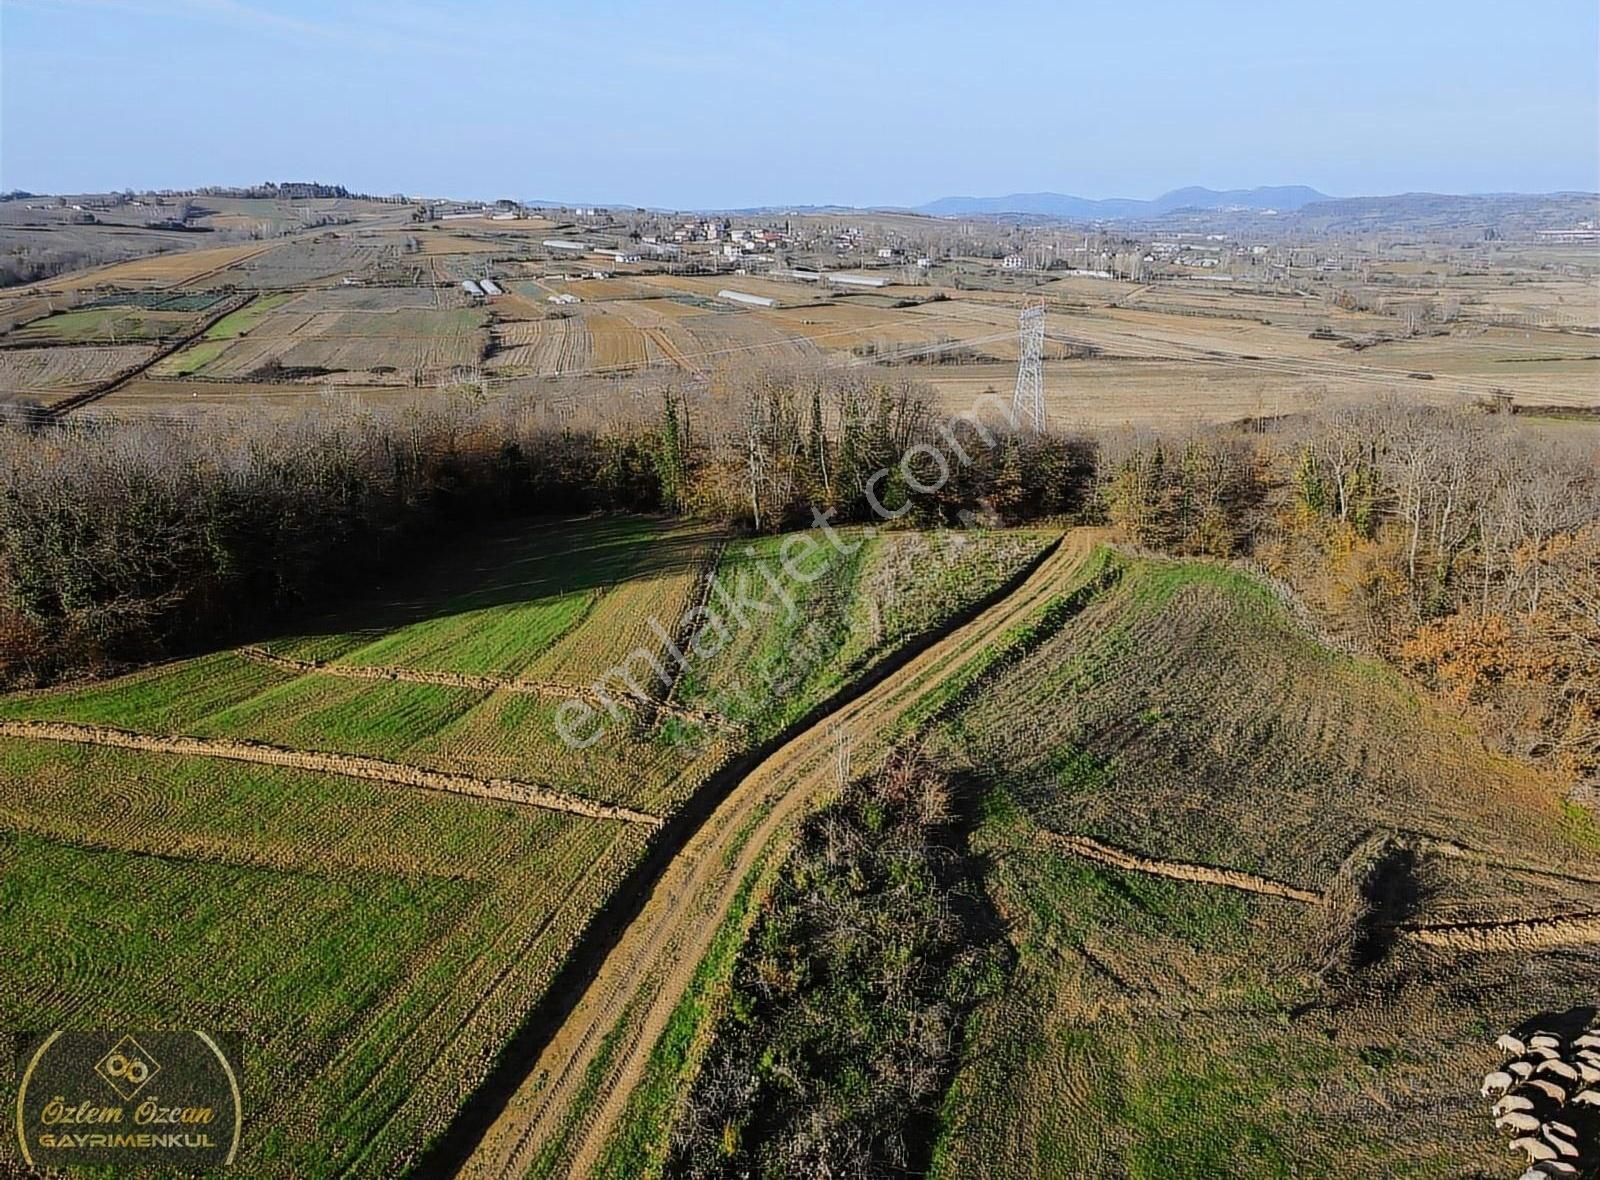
[380, 846]
[1169, 1028]
[402, 345]
[375, 307]
[55, 372]
[1170, 779]
[104, 325]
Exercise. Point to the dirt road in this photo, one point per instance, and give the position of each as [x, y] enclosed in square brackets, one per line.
[652, 963]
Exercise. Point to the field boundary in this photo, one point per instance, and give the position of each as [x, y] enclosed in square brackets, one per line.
[1176, 870]
[478, 681]
[1485, 935]
[348, 765]
[58, 410]
[1512, 934]
[450, 1153]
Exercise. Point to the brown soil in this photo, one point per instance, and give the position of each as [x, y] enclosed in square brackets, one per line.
[1526, 934]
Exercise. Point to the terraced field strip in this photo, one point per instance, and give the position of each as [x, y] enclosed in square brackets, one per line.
[688, 903]
[1507, 934]
[484, 683]
[351, 766]
[1177, 870]
[218, 312]
[1516, 934]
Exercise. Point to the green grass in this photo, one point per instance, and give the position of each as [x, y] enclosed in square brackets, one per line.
[381, 719]
[1581, 826]
[495, 608]
[381, 943]
[103, 325]
[850, 610]
[773, 670]
[237, 323]
[100, 938]
[1158, 1028]
[167, 698]
[188, 361]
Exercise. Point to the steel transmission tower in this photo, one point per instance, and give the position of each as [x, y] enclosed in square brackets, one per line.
[1027, 404]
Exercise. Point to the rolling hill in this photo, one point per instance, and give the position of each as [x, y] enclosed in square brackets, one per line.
[1279, 197]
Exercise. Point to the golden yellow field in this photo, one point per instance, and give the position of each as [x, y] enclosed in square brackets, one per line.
[378, 307]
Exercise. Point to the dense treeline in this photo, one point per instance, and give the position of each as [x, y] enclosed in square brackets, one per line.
[1458, 543]
[847, 1002]
[1463, 548]
[127, 541]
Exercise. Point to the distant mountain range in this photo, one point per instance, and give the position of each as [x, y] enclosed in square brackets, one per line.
[1284, 198]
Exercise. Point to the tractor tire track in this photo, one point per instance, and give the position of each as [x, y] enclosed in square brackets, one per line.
[687, 903]
[348, 765]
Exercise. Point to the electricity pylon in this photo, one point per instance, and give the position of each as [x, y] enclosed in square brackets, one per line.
[1027, 404]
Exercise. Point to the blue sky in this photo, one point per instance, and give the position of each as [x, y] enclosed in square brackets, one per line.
[711, 104]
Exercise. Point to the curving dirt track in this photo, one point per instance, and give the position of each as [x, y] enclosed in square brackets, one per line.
[652, 962]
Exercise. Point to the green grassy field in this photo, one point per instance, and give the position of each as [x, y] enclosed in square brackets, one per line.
[375, 943]
[215, 340]
[1158, 1020]
[1162, 1028]
[852, 603]
[104, 325]
[237, 323]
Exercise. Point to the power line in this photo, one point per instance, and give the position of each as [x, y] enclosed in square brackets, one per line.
[1027, 403]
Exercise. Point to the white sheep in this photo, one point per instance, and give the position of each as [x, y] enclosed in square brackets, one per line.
[1549, 1089]
[1561, 1145]
[1512, 1102]
[1560, 1068]
[1523, 1069]
[1561, 1129]
[1544, 1041]
[1537, 1149]
[1587, 1098]
[1589, 1073]
[1510, 1044]
[1588, 1040]
[1496, 1083]
[1516, 1120]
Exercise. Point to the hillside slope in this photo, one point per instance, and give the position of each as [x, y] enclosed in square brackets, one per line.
[1270, 907]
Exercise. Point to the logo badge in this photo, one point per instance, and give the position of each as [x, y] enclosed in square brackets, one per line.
[127, 1067]
[129, 1101]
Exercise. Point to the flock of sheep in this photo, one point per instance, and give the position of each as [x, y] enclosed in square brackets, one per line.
[1547, 1097]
